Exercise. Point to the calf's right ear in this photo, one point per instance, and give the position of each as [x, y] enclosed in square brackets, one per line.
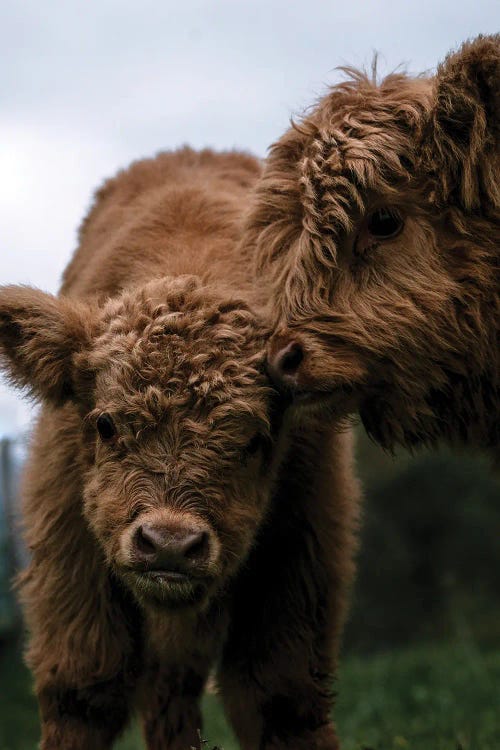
[39, 336]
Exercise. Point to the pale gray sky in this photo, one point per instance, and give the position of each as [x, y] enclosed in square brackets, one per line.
[85, 87]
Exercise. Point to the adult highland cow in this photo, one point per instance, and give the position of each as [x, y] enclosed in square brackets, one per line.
[164, 540]
[377, 221]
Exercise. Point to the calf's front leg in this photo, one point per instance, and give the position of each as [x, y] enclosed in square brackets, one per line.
[170, 705]
[89, 718]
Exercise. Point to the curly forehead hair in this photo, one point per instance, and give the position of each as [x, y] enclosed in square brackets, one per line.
[176, 343]
[354, 131]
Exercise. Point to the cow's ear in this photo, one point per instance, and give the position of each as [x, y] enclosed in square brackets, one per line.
[463, 135]
[39, 337]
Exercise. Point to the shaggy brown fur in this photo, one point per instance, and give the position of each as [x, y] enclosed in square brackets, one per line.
[378, 221]
[159, 422]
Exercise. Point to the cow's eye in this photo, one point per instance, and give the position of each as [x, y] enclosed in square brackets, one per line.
[385, 223]
[106, 427]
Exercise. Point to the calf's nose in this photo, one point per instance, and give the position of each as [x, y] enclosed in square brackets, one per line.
[163, 548]
[285, 356]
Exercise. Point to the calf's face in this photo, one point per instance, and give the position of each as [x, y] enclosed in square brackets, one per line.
[178, 425]
[378, 219]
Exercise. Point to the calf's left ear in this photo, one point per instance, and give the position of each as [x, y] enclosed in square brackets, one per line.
[463, 135]
[39, 336]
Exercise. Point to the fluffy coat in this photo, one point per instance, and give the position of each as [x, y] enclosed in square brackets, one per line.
[159, 427]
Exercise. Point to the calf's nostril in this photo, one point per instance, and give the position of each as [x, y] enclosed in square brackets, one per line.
[145, 542]
[290, 358]
[196, 546]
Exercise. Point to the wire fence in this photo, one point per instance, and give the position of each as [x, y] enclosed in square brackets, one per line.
[12, 553]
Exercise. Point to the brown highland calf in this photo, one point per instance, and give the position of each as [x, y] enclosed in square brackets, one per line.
[377, 219]
[164, 541]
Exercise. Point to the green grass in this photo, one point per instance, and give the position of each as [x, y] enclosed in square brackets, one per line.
[443, 697]
[439, 698]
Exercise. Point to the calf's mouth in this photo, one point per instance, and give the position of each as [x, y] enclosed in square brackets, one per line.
[169, 589]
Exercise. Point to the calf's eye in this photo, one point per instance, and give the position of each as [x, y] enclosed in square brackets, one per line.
[385, 223]
[106, 427]
[254, 445]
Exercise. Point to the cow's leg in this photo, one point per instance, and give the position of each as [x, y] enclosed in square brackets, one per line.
[85, 677]
[280, 655]
[84, 699]
[86, 663]
[170, 711]
[89, 718]
[180, 652]
[85, 654]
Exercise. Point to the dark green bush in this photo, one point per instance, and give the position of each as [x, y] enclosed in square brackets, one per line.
[430, 553]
